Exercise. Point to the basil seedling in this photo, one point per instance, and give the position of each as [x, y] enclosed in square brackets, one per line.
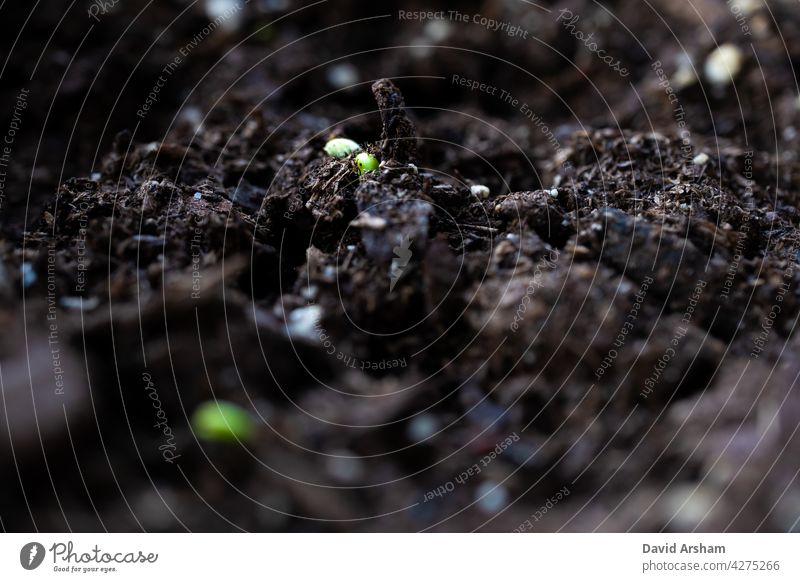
[341, 147]
[366, 163]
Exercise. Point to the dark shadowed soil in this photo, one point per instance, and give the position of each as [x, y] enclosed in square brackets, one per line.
[565, 301]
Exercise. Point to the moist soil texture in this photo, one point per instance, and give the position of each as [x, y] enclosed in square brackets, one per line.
[565, 301]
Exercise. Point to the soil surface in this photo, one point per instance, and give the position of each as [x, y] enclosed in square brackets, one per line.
[566, 300]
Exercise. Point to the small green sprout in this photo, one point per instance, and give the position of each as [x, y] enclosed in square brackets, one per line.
[341, 147]
[222, 421]
[366, 163]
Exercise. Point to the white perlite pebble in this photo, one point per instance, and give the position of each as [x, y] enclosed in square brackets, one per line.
[723, 64]
[745, 7]
[369, 222]
[554, 193]
[422, 427]
[342, 466]
[342, 75]
[437, 30]
[302, 322]
[28, 275]
[227, 13]
[683, 77]
[491, 497]
[684, 74]
[309, 292]
[192, 115]
[687, 506]
[700, 159]
[85, 303]
[479, 190]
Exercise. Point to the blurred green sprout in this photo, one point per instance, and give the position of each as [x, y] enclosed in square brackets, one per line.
[223, 421]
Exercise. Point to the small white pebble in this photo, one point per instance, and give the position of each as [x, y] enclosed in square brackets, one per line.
[197, 195]
[723, 64]
[684, 74]
[597, 226]
[554, 192]
[761, 25]
[369, 221]
[700, 159]
[343, 467]
[342, 75]
[683, 78]
[85, 303]
[96, 176]
[302, 323]
[192, 115]
[227, 13]
[309, 292]
[491, 497]
[28, 275]
[437, 30]
[686, 506]
[745, 7]
[479, 190]
[422, 426]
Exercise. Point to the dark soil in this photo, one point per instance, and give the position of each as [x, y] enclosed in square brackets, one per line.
[601, 338]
